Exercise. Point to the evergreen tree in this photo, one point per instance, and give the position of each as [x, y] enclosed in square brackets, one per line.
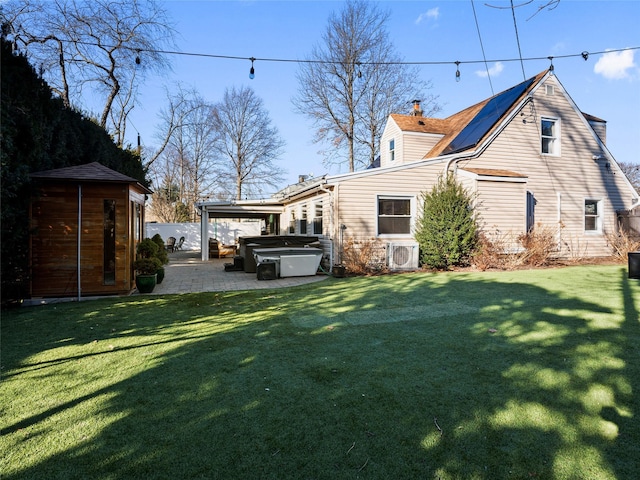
[447, 229]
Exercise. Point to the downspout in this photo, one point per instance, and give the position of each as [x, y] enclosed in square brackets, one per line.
[79, 239]
[450, 162]
[559, 246]
[331, 221]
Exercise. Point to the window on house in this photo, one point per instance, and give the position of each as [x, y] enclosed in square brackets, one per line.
[317, 219]
[592, 215]
[550, 136]
[392, 150]
[303, 219]
[292, 223]
[394, 215]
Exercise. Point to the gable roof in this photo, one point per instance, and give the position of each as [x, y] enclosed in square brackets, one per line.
[467, 128]
[90, 172]
[411, 123]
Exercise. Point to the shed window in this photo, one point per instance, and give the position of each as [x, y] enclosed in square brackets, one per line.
[394, 215]
[392, 150]
[109, 250]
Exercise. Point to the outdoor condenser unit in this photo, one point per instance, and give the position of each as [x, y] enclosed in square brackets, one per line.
[402, 256]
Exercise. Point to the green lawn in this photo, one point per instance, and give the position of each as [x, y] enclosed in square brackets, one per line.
[519, 375]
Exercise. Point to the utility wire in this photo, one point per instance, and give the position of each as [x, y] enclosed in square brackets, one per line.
[486, 64]
[515, 26]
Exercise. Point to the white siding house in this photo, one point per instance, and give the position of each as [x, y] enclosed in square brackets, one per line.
[528, 155]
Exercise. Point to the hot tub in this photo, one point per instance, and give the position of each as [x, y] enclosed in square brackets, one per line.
[294, 261]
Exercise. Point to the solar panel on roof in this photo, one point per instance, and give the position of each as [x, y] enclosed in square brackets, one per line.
[486, 118]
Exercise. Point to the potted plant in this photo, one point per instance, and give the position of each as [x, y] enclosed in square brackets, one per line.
[146, 273]
[146, 265]
[161, 255]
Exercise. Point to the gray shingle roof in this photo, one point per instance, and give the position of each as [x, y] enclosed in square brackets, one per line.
[90, 172]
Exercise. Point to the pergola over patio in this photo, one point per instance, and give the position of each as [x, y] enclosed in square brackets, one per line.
[267, 210]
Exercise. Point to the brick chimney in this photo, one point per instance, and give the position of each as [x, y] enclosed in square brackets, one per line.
[417, 111]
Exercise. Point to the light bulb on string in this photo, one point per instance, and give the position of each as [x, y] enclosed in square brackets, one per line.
[551, 67]
[138, 57]
[252, 72]
[457, 71]
[585, 55]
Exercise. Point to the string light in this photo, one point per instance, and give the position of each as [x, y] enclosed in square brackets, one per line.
[457, 71]
[551, 67]
[138, 57]
[585, 55]
[252, 72]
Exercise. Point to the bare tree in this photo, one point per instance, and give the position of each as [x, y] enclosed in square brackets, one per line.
[389, 87]
[352, 81]
[632, 171]
[103, 46]
[247, 145]
[166, 191]
[188, 154]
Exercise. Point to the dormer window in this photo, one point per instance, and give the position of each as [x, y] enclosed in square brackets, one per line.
[392, 150]
[550, 129]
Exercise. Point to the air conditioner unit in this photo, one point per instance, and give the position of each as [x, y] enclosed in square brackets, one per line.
[402, 256]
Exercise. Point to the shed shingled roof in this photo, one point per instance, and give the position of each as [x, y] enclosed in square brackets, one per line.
[90, 172]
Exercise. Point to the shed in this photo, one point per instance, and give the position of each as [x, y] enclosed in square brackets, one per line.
[97, 258]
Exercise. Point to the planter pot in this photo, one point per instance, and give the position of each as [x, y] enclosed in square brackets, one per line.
[339, 271]
[146, 283]
[160, 275]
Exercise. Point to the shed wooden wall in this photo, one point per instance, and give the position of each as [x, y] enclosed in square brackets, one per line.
[54, 240]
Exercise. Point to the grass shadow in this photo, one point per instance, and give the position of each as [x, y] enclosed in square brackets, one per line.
[372, 378]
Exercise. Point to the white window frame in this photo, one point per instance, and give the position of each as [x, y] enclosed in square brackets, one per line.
[317, 208]
[598, 215]
[291, 228]
[304, 224]
[392, 150]
[412, 215]
[554, 138]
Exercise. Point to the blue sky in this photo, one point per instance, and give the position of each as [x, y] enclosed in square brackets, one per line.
[607, 86]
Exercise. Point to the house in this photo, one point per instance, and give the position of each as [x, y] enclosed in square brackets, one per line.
[85, 224]
[528, 155]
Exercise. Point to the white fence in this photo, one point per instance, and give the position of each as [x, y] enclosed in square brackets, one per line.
[226, 232]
